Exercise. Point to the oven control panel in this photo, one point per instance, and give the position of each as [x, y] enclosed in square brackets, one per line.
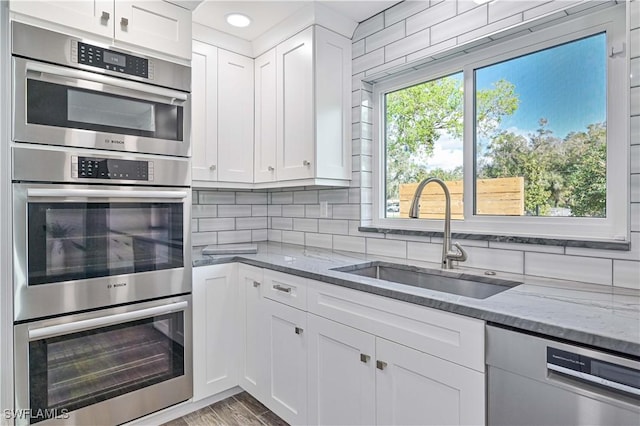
[95, 56]
[111, 168]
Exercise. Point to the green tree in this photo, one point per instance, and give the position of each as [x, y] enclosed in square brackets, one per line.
[417, 116]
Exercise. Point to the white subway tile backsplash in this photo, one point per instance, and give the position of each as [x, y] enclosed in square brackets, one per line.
[257, 210]
[259, 235]
[386, 68]
[461, 24]
[333, 226]
[313, 211]
[635, 217]
[634, 8]
[305, 197]
[548, 8]
[333, 195]
[234, 211]
[346, 211]
[368, 61]
[424, 252]
[635, 101]
[635, 72]
[368, 27]
[366, 115]
[282, 197]
[407, 45]
[318, 240]
[429, 17]
[527, 247]
[274, 210]
[466, 5]
[251, 198]
[635, 130]
[204, 238]
[635, 159]
[292, 210]
[194, 225]
[274, 235]
[502, 9]
[366, 212]
[575, 268]
[233, 237]
[216, 197]
[204, 210]
[305, 225]
[367, 98]
[633, 254]
[384, 37]
[404, 10]
[285, 223]
[499, 260]
[634, 49]
[346, 243]
[635, 188]
[357, 49]
[432, 50]
[489, 29]
[384, 247]
[626, 274]
[216, 224]
[293, 237]
[251, 222]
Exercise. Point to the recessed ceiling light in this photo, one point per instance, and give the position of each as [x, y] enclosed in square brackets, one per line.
[238, 20]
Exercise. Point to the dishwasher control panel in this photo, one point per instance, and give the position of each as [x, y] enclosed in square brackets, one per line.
[594, 370]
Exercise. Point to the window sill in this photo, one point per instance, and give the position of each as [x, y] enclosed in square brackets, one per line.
[601, 245]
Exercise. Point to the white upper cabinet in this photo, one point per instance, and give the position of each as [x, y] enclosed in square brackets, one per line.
[222, 116]
[235, 117]
[156, 25]
[265, 120]
[312, 110]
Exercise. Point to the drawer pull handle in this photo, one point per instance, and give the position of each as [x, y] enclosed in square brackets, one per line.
[270, 168]
[299, 330]
[105, 16]
[364, 358]
[381, 365]
[306, 163]
[124, 22]
[282, 288]
[256, 283]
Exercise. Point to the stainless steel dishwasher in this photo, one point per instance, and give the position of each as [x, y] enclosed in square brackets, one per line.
[537, 381]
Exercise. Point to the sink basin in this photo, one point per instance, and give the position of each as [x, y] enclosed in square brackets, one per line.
[462, 284]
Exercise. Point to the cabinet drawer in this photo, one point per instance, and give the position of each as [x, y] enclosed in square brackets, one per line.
[288, 289]
[445, 335]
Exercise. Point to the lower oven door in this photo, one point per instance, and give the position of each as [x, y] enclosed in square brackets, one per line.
[104, 367]
[80, 247]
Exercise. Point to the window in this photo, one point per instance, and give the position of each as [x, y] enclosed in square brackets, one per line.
[530, 141]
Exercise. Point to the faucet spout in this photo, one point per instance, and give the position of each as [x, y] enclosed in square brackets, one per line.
[448, 254]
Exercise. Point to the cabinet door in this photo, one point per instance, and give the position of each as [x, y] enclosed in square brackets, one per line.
[265, 108]
[214, 330]
[235, 117]
[154, 24]
[416, 388]
[204, 107]
[93, 16]
[295, 112]
[341, 374]
[286, 362]
[252, 369]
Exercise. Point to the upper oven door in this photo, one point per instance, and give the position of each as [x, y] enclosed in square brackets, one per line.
[83, 247]
[58, 105]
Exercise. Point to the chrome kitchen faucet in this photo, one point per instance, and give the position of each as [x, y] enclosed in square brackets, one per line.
[414, 212]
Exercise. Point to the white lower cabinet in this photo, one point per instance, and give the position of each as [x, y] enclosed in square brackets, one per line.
[214, 330]
[286, 357]
[342, 374]
[415, 388]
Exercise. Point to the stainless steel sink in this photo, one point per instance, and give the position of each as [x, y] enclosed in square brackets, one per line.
[462, 284]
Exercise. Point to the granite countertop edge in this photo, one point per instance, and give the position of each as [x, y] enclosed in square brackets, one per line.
[317, 264]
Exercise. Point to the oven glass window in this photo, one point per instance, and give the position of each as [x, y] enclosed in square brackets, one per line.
[73, 241]
[57, 105]
[80, 369]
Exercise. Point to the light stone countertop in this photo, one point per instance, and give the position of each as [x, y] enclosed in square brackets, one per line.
[600, 316]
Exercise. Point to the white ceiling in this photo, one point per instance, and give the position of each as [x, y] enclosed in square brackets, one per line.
[265, 14]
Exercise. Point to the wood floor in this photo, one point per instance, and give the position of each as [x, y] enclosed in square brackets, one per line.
[238, 410]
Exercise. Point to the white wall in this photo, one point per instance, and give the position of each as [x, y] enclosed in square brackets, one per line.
[405, 36]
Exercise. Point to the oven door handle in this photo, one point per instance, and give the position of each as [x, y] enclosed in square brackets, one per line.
[101, 193]
[72, 327]
[58, 72]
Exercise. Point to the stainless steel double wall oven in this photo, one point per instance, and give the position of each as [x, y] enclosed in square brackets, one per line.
[101, 236]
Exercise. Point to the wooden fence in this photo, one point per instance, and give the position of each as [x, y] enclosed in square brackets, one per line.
[500, 196]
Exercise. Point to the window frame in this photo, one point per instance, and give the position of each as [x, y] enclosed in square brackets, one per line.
[615, 227]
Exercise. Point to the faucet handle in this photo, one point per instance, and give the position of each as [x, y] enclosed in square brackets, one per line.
[460, 255]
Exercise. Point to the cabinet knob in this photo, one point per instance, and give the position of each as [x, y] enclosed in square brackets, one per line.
[364, 358]
[124, 21]
[212, 167]
[299, 330]
[105, 16]
[381, 365]
[306, 163]
[270, 168]
[256, 284]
